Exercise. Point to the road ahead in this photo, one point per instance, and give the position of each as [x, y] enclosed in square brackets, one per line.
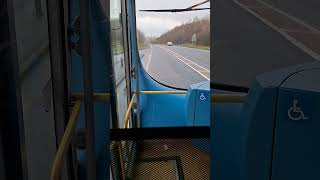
[176, 66]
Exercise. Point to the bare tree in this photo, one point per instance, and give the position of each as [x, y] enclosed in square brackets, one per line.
[183, 33]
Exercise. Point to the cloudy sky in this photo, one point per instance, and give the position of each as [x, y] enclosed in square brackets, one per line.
[156, 23]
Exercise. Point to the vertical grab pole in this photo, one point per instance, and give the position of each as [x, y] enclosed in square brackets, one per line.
[85, 44]
[136, 50]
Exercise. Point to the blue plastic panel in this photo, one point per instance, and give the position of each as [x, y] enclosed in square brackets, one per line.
[101, 54]
[297, 147]
[198, 104]
[243, 145]
[202, 114]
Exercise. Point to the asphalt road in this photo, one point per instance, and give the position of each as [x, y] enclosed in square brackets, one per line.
[244, 46]
[176, 66]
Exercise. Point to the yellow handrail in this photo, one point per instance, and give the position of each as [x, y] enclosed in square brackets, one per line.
[103, 97]
[126, 120]
[98, 97]
[63, 147]
[162, 92]
[121, 160]
[112, 147]
[231, 98]
[126, 125]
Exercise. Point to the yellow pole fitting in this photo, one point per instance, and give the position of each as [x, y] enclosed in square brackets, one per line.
[162, 92]
[228, 98]
[64, 144]
[97, 97]
[126, 120]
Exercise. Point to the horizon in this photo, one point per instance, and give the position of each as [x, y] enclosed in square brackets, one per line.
[191, 20]
[154, 24]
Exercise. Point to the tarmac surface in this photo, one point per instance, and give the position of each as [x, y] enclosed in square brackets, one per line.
[176, 66]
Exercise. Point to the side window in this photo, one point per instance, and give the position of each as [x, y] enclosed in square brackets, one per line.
[119, 62]
[32, 40]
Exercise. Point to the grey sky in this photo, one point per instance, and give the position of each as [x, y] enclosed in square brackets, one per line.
[156, 23]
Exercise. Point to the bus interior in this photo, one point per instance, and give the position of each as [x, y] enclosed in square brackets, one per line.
[78, 103]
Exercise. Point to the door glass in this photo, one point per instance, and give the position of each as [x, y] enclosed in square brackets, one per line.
[119, 62]
[32, 40]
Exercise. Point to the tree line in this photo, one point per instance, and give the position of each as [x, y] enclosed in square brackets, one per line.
[182, 34]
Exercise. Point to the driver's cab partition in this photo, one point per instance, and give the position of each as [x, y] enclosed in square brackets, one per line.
[153, 153]
[276, 134]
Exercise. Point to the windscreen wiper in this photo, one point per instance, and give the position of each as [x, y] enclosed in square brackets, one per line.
[191, 8]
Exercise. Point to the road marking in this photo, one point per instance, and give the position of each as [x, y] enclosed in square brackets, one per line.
[190, 62]
[204, 50]
[291, 39]
[183, 59]
[147, 67]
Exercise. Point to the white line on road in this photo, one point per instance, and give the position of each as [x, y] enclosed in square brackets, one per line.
[207, 51]
[147, 67]
[189, 61]
[183, 59]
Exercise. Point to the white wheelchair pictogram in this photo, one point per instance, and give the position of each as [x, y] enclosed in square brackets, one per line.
[202, 97]
[295, 112]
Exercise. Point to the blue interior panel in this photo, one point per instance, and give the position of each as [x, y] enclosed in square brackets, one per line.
[101, 54]
[296, 150]
[260, 142]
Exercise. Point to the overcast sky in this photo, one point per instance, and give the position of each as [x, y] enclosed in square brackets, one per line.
[156, 23]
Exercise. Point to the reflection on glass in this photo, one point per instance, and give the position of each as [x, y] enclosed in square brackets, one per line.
[254, 37]
[31, 28]
[118, 59]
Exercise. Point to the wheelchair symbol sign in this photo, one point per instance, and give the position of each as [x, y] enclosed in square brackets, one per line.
[202, 97]
[295, 112]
